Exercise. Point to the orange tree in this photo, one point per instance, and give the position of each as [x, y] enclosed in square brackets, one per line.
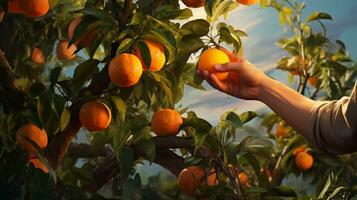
[117, 69]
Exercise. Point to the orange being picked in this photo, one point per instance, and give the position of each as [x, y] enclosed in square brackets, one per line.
[194, 3]
[209, 58]
[232, 57]
[65, 52]
[190, 179]
[87, 38]
[247, 2]
[281, 131]
[299, 149]
[35, 8]
[313, 81]
[95, 116]
[304, 161]
[157, 54]
[125, 70]
[33, 133]
[37, 163]
[37, 56]
[166, 122]
[14, 6]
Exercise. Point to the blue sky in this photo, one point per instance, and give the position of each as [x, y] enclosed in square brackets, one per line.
[264, 30]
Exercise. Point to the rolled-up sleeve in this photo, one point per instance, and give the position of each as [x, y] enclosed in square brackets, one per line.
[333, 125]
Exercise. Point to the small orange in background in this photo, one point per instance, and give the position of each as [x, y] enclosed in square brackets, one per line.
[299, 149]
[304, 161]
[212, 178]
[157, 54]
[243, 179]
[95, 116]
[37, 163]
[190, 179]
[313, 81]
[14, 6]
[194, 3]
[86, 39]
[232, 57]
[281, 131]
[247, 2]
[166, 122]
[33, 133]
[35, 8]
[125, 70]
[209, 58]
[37, 56]
[65, 52]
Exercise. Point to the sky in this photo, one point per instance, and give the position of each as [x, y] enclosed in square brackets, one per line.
[263, 30]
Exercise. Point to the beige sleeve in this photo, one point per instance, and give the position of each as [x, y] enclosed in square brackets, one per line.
[334, 125]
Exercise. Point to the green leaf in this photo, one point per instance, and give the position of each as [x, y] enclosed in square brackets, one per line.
[120, 106]
[199, 27]
[126, 159]
[125, 46]
[44, 108]
[54, 75]
[83, 72]
[144, 52]
[220, 8]
[149, 149]
[65, 116]
[247, 116]
[318, 16]
[234, 119]
[158, 36]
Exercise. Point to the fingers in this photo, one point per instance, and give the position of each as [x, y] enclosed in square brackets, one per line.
[218, 84]
[232, 66]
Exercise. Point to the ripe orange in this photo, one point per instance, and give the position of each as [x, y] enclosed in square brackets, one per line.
[247, 2]
[166, 122]
[95, 116]
[14, 6]
[37, 56]
[232, 57]
[190, 179]
[37, 163]
[299, 149]
[212, 178]
[211, 57]
[157, 54]
[125, 70]
[194, 3]
[243, 179]
[35, 8]
[33, 133]
[86, 39]
[304, 161]
[65, 52]
[281, 131]
[313, 81]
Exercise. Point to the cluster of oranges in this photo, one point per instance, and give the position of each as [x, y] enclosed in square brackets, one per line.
[200, 3]
[30, 8]
[303, 159]
[192, 177]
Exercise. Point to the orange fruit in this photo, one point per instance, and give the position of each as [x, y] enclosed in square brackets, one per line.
[86, 39]
[166, 122]
[37, 56]
[243, 179]
[211, 57]
[35, 8]
[247, 2]
[281, 131]
[33, 133]
[37, 163]
[14, 6]
[190, 179]
[313, 81]
[194, 3]
[299, 149]
[232, 57]
[125, 70]
[304, 161]
[212, 178]
[65, 52]
[95, 116]
[157, 54]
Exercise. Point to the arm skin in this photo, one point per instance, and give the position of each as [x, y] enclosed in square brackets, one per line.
[245, 81]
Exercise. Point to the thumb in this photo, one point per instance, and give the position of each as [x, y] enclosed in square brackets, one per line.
[232, 66]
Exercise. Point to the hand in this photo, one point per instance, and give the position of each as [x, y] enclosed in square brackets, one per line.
[244, 79]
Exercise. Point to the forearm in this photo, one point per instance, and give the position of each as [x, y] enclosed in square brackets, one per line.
[290, 105]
